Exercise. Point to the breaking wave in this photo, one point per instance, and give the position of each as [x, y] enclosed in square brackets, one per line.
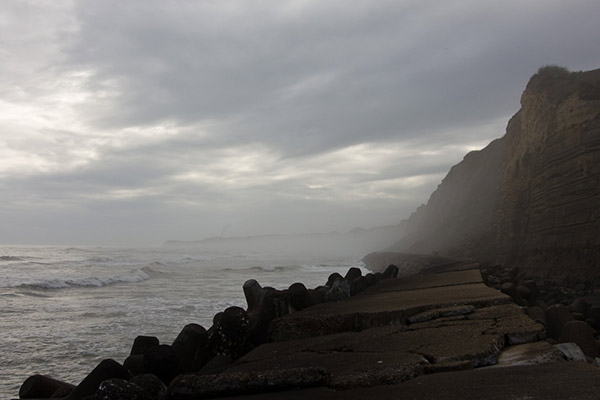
[133, 276]
[10, 258]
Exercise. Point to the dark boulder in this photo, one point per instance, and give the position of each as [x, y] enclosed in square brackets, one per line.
[107, 369]
[370, 278]
[358, 285]
[556, 317]
[318, 294]
[190, 342]
[510, 289]
[581, 334]
[254, 294]
[41, 386]
[333, 278]
[534, 291]
[142, 344]
[594, 317]
[230, 336]
[299, 297]
[154, 388]
[216, 365]
[163, 362]
[340, 290]
[391, 272]
[274, 305]
[119, 389]
[537, 314]
[524, 291]
[580, 306]
[352, 274]
[135, 364]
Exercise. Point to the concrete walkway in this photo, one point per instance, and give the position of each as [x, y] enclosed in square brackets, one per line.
[413, 338]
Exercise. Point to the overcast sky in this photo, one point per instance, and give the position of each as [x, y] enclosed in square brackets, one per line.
[132, 122]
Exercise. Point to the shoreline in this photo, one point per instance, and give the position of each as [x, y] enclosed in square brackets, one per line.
[374, 333]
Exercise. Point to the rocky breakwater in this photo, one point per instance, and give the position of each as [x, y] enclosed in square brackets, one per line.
[568, 309]
[152, 366]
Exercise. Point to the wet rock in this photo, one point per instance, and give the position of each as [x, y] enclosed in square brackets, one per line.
[530, 354]
[578, 316]
[107, 369]
[230, 384]
[119, 389]
[299, 297]
[332, 278]
[189, 345]
[41, 386]
[318, 294]
[534, 292]
[163, 362]
[524, 291]
[594, 317]
[216, 365]
[254, 294]
[510, 289]
[507, 279]
[135, 364]
[154, 388]
[582, 334]
[539, 303]
[370, 278]
[142, 344]
[352, 274]
[358, 285]
[340, 290]
[273, 305]
[556, 317]
[571, 351]
[230, 336]
[537, 314]
[391, 272]
[579, 306]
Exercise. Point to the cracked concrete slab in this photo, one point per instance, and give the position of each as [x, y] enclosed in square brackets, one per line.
[417, 282]
[379, 308]
[386, 354]
[508, 320]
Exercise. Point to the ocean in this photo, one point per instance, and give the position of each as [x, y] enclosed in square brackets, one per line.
[64, 309]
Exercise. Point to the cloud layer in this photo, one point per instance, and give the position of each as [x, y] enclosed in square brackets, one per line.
[134, 122]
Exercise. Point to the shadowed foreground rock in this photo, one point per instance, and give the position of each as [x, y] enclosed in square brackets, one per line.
[565, 381]
[188, 387]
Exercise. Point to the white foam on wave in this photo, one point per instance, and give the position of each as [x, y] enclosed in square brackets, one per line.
[133, 276]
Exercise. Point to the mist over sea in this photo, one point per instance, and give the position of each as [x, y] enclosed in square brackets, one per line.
[64, 309]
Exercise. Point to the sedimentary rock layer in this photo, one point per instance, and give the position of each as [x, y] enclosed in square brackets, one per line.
[531, 198]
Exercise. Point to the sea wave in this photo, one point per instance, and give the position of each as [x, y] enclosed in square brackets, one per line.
[341, 268]
[10, 258]
[133, 276]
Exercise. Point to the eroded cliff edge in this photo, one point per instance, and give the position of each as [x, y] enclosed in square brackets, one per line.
[531, 198]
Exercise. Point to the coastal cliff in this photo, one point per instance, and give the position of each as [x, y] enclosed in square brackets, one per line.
[531, 198]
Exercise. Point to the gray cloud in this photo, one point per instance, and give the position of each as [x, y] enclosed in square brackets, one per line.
[139, 121]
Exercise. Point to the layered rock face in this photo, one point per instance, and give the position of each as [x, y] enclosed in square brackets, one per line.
[549, 214]
[458, 220]
[531, 198]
